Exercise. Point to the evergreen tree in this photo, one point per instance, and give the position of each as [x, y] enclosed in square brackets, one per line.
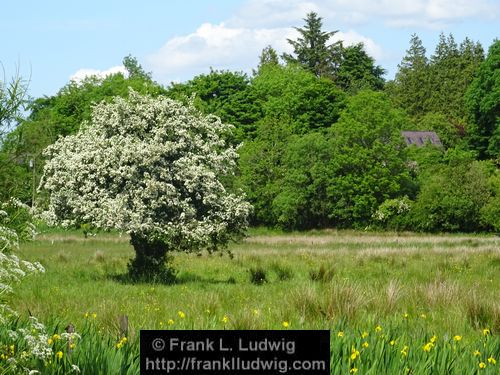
[311, 49]
[411, 86]
[451, 71]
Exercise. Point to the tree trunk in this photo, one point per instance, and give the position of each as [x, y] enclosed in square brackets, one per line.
[151, 260]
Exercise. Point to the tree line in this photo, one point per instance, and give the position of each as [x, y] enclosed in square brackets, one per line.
[320, 133]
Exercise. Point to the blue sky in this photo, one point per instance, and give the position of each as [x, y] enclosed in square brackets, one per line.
[54, 41]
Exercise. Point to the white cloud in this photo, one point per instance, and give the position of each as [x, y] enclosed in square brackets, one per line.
[218, 46]
[81, 74]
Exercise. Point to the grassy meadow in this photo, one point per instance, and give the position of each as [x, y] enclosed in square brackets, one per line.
[395, 303]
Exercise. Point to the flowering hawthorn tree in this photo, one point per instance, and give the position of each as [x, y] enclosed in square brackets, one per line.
[150, 167]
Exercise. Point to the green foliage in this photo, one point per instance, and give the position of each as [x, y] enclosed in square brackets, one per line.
[483, 103]
[224, 94]
[13, 97]
[490, 213]
[311, 50]
[261, 168]
[269, 56]
[296, 95]
[14, 178]
[302, 201]
[369, 163]
[424, 158]
[276, 166]
[452, 196]
[411, 85]
[358, 71]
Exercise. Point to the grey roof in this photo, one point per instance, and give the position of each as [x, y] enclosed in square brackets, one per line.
[419, 138]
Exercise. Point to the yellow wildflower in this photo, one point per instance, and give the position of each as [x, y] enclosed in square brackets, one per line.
[59, 354]
[364, 335]
[94, 315]
[353, 370]
[378, 329]
[56, 337]
[11, 348]
[482, 365]
[225, 319]
[50, 341]
[486, 331]
[423, 316]
[340, 334]
[406, 315]
[170, 322]
[255, 312]
[365, 345]
[427, 347]
[181, 314]
[86, 315]
[457, 338]
[404, 351]
[433, 339]
[354, 354]
[492, 360]
[121, 343]
[476, 353]
[72, 345]
[392, 342]
[285, 324]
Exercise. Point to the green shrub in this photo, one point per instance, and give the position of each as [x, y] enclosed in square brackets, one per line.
[258, 275]
[452, 197]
